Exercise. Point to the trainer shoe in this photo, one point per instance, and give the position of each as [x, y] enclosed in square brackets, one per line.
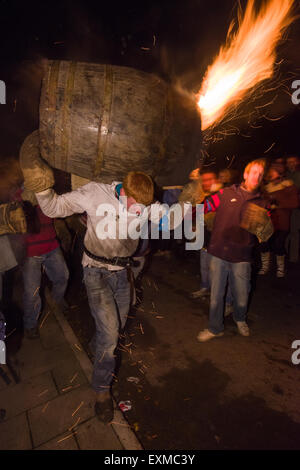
[243, 328]
[203, 292]
[104, 407]
[206, 335]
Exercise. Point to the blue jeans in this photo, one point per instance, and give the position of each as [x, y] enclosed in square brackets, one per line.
[238, 276]
[109, 300]
[205, 258]
[56, 270]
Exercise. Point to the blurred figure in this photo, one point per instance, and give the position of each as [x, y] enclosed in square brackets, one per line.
[283, 197]
[293, 169]
[210, 184]
[293, 173]
[43, 252]
[226, 177]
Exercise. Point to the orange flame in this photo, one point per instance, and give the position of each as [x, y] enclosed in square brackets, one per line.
[247, 58]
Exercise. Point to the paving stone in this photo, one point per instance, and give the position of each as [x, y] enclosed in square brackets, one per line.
[65, 441]
[94, 435]
[68, 373]
[35, 360]
[15, 434]
[50, 331]
[28, 394]
[49, 421]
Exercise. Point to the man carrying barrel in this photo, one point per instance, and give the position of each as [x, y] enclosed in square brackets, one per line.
[106, 259]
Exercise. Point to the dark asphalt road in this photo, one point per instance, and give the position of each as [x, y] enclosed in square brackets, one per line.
[230, 393]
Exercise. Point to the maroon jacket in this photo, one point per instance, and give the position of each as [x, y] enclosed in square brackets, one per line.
[228, 240]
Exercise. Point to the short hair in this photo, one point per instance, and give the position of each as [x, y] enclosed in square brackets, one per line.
[260, 161]
[140, 186]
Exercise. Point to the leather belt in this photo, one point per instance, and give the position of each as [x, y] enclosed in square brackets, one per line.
[123, 262]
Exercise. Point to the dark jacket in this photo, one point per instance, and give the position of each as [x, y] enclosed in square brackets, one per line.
[228, 240]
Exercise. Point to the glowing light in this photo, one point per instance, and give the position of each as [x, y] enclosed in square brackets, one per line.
[247, 59]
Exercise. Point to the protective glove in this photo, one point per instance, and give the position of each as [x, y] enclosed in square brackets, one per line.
[38, 175]
[12, 218]
[256, 220]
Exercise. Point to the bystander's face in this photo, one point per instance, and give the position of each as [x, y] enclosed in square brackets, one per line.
[208, 179]
[292, 163]
[253, 177]
[272, 175]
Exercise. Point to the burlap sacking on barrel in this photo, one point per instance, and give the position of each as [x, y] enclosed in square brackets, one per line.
[38, 176]
[256, 220]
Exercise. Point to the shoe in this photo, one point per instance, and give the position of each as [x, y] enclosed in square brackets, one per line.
[265, 263]
[280, 266]
[32, 333]
[243, 328]
[228, 310]
[203, 292]
[104, 407]
[206, 335]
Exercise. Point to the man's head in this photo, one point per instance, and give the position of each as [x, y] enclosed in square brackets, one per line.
[138, 187]
[225, 176]
[293, 163]
[253, 174]
[275, 171]
[208, 178]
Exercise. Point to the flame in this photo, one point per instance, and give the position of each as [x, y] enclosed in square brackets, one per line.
[247, 58]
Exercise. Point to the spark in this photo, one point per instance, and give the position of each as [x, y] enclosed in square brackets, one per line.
[11, 332]
[74, 425]
[78, 408]
[270, 147]
[45, 407]
[74, 377]
[44, 319]
[43, 393]
[67, 437]
[70, 387]
[77, 347]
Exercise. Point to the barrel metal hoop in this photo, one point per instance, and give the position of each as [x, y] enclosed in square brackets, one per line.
[52, 90]
[105, 119]
[66, 121]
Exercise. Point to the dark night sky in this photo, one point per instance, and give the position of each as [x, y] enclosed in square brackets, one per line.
[182, 37]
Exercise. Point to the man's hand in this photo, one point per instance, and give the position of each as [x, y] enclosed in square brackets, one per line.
[38, 176]
[12, 218]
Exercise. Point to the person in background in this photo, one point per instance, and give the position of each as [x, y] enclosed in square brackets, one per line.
[43, 253]
[226, 177]
[231, 246]
[283, 197]
[209, 182]
[293, 173]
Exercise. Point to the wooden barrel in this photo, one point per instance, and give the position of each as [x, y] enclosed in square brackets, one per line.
[101, 121]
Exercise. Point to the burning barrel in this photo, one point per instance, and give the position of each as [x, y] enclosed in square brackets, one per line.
[101, 121]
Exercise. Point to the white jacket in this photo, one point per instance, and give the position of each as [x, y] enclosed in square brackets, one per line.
[91, 199]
